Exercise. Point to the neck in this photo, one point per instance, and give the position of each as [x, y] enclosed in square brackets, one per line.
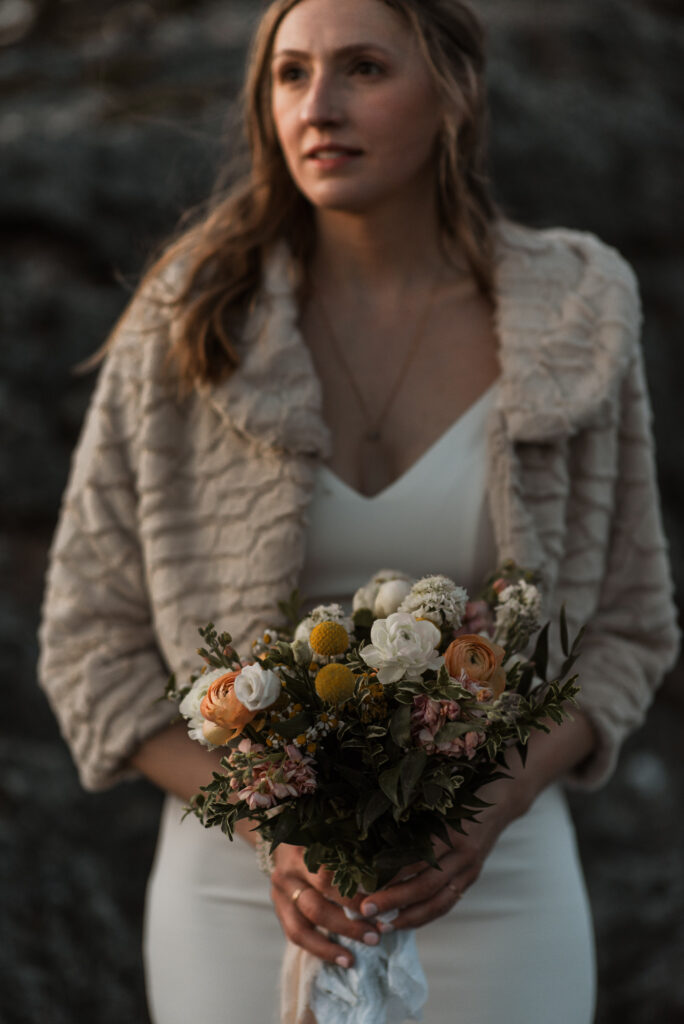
[383, 251]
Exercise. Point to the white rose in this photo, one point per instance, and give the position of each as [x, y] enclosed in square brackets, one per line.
[257, 688]
[389, 597]
[401, 646]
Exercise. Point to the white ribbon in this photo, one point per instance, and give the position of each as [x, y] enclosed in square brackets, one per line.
[386, 985]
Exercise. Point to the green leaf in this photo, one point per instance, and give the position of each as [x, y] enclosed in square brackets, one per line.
[351, 775]
[454, 730]
[291, 727]
[297, 689]
[565, 643]
[375, 807]
[389, 783]
[411, 769]
[400, 725]
[286, 824]
[541, 653]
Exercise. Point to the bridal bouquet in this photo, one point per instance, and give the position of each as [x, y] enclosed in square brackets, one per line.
[363, 736]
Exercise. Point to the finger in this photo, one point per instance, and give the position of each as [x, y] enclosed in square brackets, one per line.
[324, 913]
[333, 894]
[441, 903]
[302, 916]
[415, 890]
[410, 871]
[299, 930]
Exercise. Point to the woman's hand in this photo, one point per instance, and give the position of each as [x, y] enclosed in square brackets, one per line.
[432, 892]
[306, 902]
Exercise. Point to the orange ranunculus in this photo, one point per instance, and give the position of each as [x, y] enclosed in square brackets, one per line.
[221, 706]
[479, 658]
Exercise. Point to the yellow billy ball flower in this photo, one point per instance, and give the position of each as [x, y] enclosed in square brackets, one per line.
[335, 683]
[329, 639]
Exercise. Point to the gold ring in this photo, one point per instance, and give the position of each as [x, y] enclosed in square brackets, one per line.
[296, 894]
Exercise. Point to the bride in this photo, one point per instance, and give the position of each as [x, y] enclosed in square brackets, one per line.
[352, 361]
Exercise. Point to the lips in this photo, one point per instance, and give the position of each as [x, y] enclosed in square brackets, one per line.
[331, 152]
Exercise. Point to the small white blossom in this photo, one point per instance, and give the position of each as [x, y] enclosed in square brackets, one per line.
[438, 599]
[257, 688]
[518, 611]
[402, 647]
[189, 707]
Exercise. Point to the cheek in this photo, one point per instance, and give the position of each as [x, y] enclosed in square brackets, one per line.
[284, 122]
[401, 126]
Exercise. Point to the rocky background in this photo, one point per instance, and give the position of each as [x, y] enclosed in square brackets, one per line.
[113, 119]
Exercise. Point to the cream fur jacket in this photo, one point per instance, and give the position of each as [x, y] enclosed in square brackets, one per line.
[181, 512]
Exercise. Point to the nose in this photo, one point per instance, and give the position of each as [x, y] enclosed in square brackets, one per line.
[322, 103]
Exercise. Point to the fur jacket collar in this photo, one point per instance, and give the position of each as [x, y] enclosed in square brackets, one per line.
[549, 286]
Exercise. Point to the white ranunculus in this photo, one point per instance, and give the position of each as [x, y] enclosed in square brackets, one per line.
[189, 707]
[257, 688]
[402, 646]
[389, 597]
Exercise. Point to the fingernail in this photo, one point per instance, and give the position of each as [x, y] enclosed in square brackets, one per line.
[369, 910]
[343, 961]
[371, 938]
[385, 927]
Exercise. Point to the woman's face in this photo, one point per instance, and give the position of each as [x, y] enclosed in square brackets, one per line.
[354, 105]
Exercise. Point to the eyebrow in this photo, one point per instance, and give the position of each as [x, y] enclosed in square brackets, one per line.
[344, 51]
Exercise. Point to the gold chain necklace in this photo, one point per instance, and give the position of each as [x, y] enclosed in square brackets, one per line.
[374, 457]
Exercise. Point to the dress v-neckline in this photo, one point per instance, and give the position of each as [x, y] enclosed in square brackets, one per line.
[417, 464]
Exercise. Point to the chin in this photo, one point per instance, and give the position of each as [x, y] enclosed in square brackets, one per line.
[343, 200]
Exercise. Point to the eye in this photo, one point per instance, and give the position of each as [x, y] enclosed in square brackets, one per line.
[288, 73]
[367, 67]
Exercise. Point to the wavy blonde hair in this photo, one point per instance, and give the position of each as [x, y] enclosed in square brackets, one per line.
[223, 253]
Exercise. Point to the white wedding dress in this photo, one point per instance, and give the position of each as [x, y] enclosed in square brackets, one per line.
[518, 948]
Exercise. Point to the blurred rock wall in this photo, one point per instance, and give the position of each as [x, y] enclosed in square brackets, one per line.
[112, 119]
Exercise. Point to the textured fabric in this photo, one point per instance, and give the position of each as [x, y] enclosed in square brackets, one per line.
[410, 522]
[181, 511]
[386, 985]
[517, 949]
